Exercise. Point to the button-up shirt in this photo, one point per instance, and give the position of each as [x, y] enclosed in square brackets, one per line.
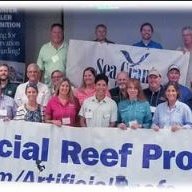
[179, 114]
[99, 113]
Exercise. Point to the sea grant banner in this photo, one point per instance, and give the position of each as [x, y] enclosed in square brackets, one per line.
[12, 42]
[44, 153]
[113, 58]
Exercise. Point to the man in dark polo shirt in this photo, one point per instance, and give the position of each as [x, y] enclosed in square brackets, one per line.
[7, 87]
[119, 93]
[155, 92]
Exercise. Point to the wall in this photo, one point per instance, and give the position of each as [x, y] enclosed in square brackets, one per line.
[123, 26]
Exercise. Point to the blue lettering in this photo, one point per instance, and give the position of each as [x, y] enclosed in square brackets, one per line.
[150, 152]
[109, 157]
[29, 177]
[179, 160]
[124, 153]
[4, 143]
[90, 156]
[167, 159]
[32, 151]
[73, 153]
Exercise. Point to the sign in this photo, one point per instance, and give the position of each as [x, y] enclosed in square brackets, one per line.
[44, 153]
[12, 42]
[113, 58]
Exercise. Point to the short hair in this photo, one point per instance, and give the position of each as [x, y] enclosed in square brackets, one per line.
[175, 85]
[146, 24]
[101, 25]
[57, 25]
[33, 65]
[100, 77]
[5, 65]
[92, 70]
[137, 85]
[56, 71]
[187, 28]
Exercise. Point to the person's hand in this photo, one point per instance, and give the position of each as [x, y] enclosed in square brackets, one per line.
[135, 126]
[155, 128]
[57, 123]
[122, 126]
[175, 128]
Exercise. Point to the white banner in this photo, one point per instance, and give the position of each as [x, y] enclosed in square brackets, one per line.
[113, 58]
[43, 153]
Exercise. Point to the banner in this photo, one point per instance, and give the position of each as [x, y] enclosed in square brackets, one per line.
[113, 58]
[44, 153]
[12, 42]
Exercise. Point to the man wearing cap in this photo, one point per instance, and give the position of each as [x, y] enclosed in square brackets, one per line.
[119, 93]
[155, 92]
[173, 75]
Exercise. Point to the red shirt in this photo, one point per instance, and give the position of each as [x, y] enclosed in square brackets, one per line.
[57, 111]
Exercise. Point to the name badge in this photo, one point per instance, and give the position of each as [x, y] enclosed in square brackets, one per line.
[89, 115]
[152, 108]
[3, 112]
[66, 120]
[55, 58]
[132, 122]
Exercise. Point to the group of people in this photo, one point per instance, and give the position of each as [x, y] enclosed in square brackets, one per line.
[93, 105]
[49, 97]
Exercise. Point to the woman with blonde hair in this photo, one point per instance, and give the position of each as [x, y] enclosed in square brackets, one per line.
[63, 108]
[134, 112]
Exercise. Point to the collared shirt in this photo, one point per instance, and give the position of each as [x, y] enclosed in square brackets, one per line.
[129, 111]
[154, 98]
[51, 59]
[151, 44]
[67, 113]
[9, 89]
[42, 98]
[180, 114]
[99, 113]
[116, 94]
[8, 107]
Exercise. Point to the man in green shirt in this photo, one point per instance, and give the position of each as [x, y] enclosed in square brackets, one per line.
[53, 55]
[7, 87]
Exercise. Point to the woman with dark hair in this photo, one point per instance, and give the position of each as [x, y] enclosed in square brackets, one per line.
[172, 114]
[134, 112]
[87, 88]
[63, 108]
[30, 111]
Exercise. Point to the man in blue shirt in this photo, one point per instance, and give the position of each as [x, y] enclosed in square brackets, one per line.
[173, 75]
[146, 30]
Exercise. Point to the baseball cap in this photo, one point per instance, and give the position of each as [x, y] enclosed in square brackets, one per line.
[173, 67]
[155, 72]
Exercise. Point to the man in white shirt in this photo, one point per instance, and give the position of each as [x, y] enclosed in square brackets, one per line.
[99, 110]
[33, 74]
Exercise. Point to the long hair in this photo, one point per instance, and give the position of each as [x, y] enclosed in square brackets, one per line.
[136, 83]
[70, 93]
[92, 70]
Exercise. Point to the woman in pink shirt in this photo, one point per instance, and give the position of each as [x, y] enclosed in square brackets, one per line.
[88, 86]
[63, 108]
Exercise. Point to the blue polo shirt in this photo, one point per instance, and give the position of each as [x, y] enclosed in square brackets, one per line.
[151, 44]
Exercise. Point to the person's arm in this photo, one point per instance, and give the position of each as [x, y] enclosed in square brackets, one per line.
[83, 122]
[55, 122]
[113, 118]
